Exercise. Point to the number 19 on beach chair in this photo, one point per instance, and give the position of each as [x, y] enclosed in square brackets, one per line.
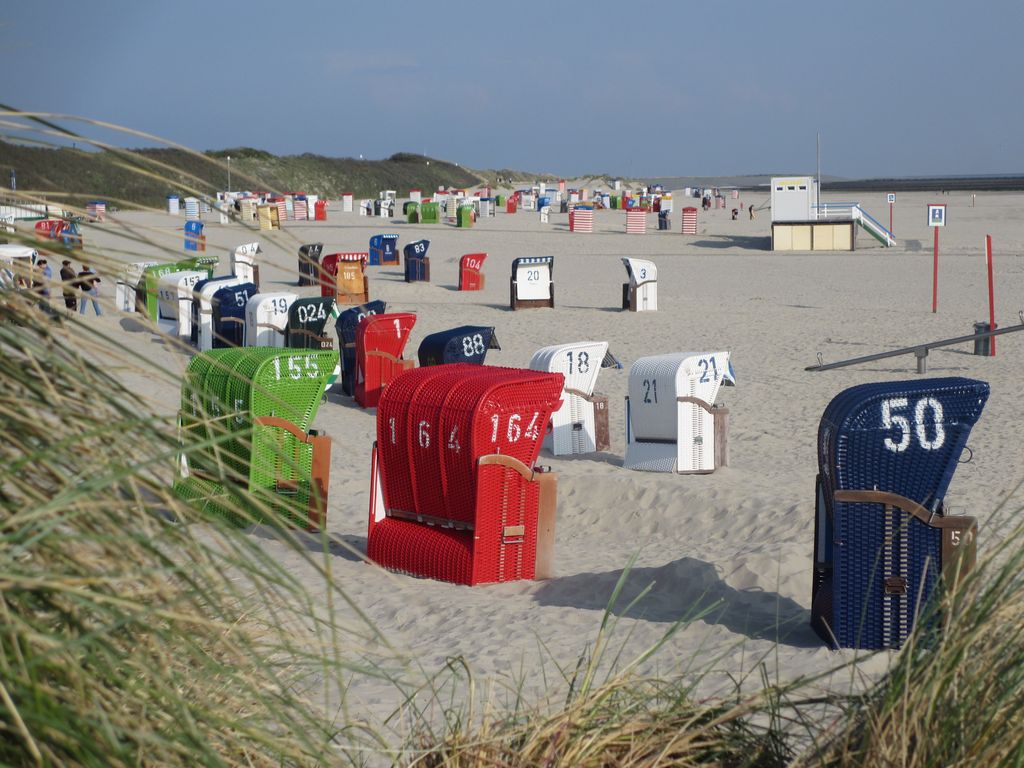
[266, 319]
[581, 424]
[454, 492]
[672, 422]
[532, 284]
[883, 542]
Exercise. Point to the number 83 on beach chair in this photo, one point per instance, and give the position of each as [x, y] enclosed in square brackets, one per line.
[672, 422]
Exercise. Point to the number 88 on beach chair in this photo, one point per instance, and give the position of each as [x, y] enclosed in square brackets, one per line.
[454, 492]
[882, 540]
[672, 422]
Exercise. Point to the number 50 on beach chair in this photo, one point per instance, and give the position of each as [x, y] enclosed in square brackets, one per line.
[883, 542]
[672, 422]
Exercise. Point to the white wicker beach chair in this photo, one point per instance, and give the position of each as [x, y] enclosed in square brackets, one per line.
[266, 319]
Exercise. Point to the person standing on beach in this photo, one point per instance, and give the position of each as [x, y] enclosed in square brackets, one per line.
[88, 281]
[751, 211]
[67, 277]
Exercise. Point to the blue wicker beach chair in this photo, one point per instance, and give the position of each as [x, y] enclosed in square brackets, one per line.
[886, 455]
[465, 344]
[229, 314]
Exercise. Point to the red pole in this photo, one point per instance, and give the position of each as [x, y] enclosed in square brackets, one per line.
[935, 273]
[991, 296]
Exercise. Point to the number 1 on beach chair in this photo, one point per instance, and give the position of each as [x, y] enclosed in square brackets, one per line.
[345, 327]
[380, 341]
[672, 423]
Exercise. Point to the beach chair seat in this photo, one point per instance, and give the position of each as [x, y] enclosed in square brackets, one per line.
[465, 344]
[672, 422]
[266, 319]
[417, 263]
[532, 282]
[454, 492]
[244, 263]
[471, 276]
[640, 294]
[228, 305]
[380, 341]
[174, 299]
[384, 250]
[307, 319]
[883, 540]
[309, 263]
[343, 277]
[345, 327]
[580, 425]
[247, 452]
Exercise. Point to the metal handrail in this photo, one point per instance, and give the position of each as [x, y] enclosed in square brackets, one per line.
[920, 351]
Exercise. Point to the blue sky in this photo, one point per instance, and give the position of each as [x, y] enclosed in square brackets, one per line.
[635, 89]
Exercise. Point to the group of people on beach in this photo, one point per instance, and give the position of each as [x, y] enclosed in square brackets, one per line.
[78, 288]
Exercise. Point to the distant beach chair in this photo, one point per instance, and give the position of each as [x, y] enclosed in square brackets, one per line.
[465, 344]
[243, 263]
[194, 238]
[417, 263]
[471, 276]
[126, 290]
[175, 302]
[532, 284]
[640, 294]
[882, 540]
[384, 251]
[245, 423]
[343, 277]
[580, 425]
[672, 422]
[380, 342]
[309, 263]
[454, 492]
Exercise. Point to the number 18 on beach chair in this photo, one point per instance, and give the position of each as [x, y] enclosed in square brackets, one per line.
[581, 424]
[883, 541]
[672, 422]
[454, 492]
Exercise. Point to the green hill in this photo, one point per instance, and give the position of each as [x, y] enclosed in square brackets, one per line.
[139, 177]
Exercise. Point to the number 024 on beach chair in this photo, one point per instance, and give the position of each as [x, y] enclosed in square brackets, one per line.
[247, 451]
[672, 422]
[454, 492]
[883, 541]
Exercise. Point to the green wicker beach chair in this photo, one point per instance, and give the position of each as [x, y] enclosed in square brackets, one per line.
[247, 452]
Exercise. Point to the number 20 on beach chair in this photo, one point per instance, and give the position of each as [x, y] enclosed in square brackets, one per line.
[672, 422]
[532, 284]
[454, 492]
[883, 541]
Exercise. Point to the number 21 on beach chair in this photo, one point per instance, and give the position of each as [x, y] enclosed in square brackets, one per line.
[380, 341]
[471, 276]
[883, 542]
[672, 422]
[581, 424]
[640, 294]
[532, 283]
[454, 492]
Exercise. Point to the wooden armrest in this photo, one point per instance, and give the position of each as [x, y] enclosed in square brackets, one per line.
[506, 461]
[287, 426]
[696, 401]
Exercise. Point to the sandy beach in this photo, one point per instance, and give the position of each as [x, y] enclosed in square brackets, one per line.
[739, 539]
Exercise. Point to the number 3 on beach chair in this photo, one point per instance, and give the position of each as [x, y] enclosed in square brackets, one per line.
[581, 424]
[883, 542]
[454, 494]
[640, 294]
[672, 423]
[532, 284]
